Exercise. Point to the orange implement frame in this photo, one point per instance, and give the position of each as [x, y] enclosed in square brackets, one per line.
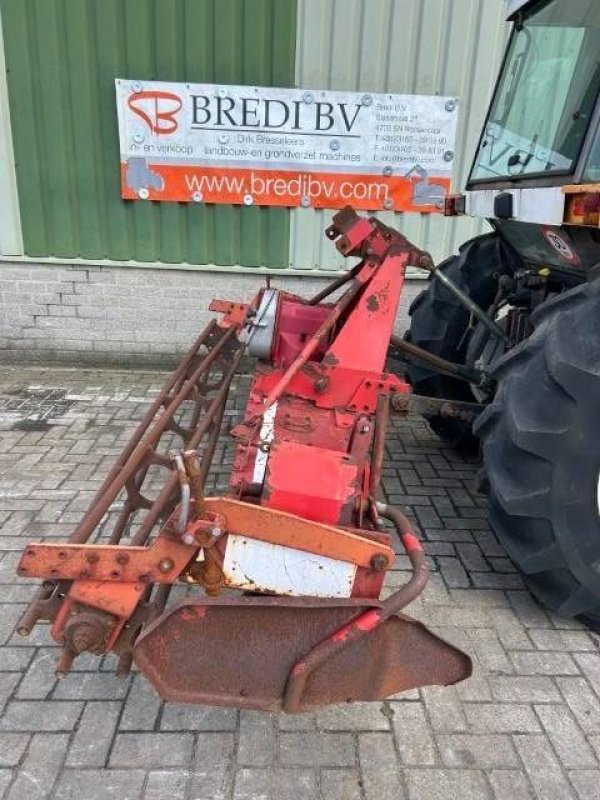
[165, 559]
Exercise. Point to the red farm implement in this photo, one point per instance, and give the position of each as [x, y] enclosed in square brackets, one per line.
[284, 572]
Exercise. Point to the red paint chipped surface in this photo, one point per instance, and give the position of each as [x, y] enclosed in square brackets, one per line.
[411, 543]
[368, 621]
[342, 634]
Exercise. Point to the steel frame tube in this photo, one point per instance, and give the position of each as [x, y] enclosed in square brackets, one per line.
[327, 325]
[472, 306]
[441, 365]
[33, 612]
[214, 414]
[334, 285]
[382, 414]
[127, 470]
[142, 427]
[369, 620]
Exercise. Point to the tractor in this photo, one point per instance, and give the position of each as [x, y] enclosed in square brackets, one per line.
[517, 310]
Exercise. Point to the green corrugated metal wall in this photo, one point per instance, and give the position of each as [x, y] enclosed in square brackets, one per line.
[62, 57]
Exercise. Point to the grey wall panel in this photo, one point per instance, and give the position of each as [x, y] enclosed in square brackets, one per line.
[448, 47]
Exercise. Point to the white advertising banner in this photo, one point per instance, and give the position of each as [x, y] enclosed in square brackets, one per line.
[290, 147]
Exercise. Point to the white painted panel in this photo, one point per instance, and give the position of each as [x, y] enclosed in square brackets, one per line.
[541, 205]
[267, 434]
[11, 241]
[254, 565]
[445, 47]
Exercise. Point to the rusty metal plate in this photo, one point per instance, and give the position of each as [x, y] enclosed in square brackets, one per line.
[239, 652]
[161, 562]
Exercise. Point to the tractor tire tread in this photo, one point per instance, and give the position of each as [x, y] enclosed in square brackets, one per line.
[545, 400]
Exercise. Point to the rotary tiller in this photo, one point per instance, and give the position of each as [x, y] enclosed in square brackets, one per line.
[285, 571]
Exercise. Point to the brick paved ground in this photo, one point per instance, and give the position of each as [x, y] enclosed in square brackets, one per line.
[526, 725]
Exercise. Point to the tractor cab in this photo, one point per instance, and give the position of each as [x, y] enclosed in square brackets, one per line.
[536, 171]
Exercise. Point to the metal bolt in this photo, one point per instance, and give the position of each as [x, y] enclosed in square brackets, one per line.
[122, 559]
[188, 538]
[305, 202]
[366, 100]
[216, 531]
[450, 105]
[448, 155]
[365, 429]
[222, 92]
[379, 562]
[197, 197]
[166, 564]
[387, 171]
[137, 86]
[138, 138]
[308, 97]
[248, 200]
[143, 193]
[223, 138]
[334, 144]
[387, 204]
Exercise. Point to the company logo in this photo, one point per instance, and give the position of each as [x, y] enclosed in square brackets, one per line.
[272, 113]
[158, 110]
[562, 247]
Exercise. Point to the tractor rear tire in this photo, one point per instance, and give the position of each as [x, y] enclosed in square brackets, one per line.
[541, 453]
[439, 324]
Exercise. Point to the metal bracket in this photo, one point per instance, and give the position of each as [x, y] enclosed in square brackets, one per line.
[450, 409]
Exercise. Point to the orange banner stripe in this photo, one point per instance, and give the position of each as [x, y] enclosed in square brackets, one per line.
[276, 187]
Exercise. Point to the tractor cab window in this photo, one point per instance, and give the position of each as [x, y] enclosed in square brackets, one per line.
[592, 168]
[546, 93]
